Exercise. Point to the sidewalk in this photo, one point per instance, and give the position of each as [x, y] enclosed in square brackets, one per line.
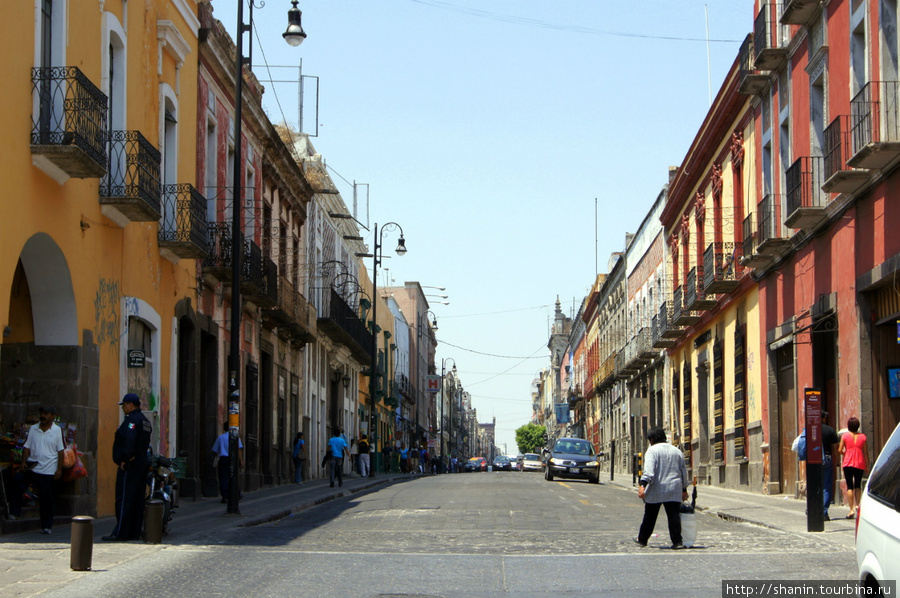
[780, 512]
[32, 563]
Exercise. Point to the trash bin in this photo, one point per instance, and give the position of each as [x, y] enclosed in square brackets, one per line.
[153, 520]
[82, 543]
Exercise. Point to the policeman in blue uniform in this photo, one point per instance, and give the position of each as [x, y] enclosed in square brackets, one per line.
[130, 455]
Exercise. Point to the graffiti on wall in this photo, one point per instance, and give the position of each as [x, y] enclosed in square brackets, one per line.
[106, 314]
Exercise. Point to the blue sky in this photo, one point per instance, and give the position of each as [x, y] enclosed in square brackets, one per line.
[486, 129]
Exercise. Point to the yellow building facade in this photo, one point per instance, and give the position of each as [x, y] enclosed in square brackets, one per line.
[716, 395]
[97, 261]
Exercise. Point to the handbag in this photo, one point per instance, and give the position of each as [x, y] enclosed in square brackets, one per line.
[78, 470]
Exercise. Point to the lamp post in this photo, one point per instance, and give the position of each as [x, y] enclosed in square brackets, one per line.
[377, 252]
[444, 400]
[294, 36]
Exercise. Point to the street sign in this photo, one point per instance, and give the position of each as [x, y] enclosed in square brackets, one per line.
[432, 384]
[562, 413]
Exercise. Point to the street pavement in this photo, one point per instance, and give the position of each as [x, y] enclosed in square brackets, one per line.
[32, 563]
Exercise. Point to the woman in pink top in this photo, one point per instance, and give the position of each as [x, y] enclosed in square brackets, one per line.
[853, 448]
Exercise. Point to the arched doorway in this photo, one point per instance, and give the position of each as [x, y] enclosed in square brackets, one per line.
[41, 360]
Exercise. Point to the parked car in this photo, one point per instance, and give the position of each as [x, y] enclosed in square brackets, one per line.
[878, 519]
[515, 462]
[572, 458]
[531, 462]
[476, 464]
[502, 463]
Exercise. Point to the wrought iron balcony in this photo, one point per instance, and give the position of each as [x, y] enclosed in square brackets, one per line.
[260, 284]
[282, 314]
[839, 176]
[771, 237]
[680, 315]
[665, 331]
[341, 324]
[68, 129]
[752, 80]
[130, 189]
[694, 297]
[805, 201]
[183, 231]
[259, 277]
[605, 374]
[752, 258]
[768, 46]
[644, 345]
[799, 12]
[875, 118]
[722, 269]
[217, 265]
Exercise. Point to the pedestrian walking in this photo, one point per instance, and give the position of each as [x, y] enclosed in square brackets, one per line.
[130, 454]
[354, 456]
[364, 456]
[222, 461]
[663, 482]
[43, 459]
[830, 441]
[413, 455]
[298, 454]
[338, 449]
[386, 456]
[853, 450]
[404, 458]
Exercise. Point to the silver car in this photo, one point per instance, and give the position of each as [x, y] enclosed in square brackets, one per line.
[531, 462]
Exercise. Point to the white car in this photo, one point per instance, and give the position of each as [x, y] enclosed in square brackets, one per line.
[878, 521]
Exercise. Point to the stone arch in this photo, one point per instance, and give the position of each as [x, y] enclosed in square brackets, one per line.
[54, 313]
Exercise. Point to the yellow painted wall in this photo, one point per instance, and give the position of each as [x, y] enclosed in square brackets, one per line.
[106, 263]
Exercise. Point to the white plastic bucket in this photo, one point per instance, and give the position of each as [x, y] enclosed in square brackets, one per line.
[688, 529]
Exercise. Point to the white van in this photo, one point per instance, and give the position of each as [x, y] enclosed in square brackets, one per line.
[878, 521]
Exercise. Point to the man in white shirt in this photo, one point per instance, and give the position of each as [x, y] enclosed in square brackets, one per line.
[43, 458]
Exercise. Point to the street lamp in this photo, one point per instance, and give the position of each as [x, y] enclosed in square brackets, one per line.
[377, 252]
[444, 400]
[294, 38]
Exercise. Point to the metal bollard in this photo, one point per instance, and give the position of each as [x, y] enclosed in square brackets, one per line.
[153, 519]
[82, 544]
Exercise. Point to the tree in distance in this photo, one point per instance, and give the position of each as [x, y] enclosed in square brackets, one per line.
[530, 438]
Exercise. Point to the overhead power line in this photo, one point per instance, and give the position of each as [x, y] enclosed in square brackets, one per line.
[477, 12]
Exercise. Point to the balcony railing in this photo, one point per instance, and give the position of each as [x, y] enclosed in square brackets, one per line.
[681, 315]
[875, 116]
[722, 269]
[261, 283]
[666, 331]
[343, 326]
[768, 46]
[69, 123]
[695, 299]
[805, 201]
[282, 314]
[259, 277]
[183, 230]
[799, 12]
[752, 80]
[839, 176]
[771, 238]
[131, 184]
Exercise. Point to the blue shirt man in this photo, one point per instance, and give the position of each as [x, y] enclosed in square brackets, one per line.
[338, 448]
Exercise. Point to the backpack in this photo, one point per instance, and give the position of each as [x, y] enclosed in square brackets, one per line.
[799, 446]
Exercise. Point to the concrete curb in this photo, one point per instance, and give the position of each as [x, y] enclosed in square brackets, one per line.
[308, 504]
